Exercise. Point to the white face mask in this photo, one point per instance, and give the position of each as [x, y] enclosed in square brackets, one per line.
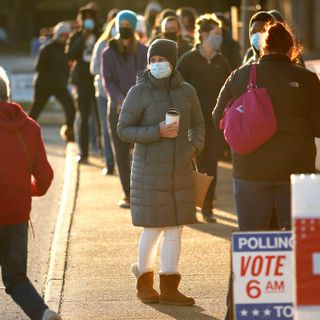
[160, 70]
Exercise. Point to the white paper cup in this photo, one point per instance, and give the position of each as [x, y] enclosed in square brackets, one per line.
[172, 116]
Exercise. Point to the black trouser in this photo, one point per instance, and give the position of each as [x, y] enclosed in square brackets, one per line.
[13, 262]
[122, 152]
[86, 103]
[42, 95]
[207, 160]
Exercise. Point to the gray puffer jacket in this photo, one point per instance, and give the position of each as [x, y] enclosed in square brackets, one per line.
[162, 190]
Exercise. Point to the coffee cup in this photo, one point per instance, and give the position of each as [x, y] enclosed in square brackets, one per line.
[172, 116]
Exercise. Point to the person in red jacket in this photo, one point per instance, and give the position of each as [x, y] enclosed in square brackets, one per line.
[24, 172]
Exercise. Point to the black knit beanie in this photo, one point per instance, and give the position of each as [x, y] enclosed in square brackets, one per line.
[261, 16]
[164, 48]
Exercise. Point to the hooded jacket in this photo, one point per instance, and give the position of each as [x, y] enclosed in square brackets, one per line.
[162, 191]
[52, 69]
[24, 168]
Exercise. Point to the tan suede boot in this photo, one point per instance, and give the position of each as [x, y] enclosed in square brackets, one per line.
[169, 293]
[146, 292]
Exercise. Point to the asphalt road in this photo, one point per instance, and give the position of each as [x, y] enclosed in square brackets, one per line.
[43, 218]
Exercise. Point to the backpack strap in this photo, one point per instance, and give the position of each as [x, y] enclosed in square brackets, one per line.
[253, 76]
[25, 149]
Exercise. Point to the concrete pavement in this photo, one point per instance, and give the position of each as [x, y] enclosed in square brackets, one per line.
[103, 244]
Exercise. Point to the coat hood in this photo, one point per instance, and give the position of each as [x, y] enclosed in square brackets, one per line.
[12, 117]
[174, 81]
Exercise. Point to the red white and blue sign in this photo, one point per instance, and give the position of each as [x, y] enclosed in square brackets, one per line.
[307, 261]
[262, 271]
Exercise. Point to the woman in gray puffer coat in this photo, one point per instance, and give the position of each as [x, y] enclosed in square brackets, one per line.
[162, 190]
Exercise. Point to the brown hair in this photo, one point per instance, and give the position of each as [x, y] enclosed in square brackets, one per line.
[279, 38]
[203, 23]
[170, 18]
[106, 34]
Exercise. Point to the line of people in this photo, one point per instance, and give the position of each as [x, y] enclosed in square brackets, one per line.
[134, 83]
[104, 66]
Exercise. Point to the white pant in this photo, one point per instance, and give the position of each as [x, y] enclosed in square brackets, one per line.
[170, 251]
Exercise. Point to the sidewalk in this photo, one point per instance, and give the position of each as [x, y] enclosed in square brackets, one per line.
[103, 244]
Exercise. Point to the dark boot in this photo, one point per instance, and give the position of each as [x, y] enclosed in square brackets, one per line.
[145, 293]
[207, 212]
[169, 291]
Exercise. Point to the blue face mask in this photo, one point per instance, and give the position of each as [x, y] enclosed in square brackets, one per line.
[256, 40]
[215, 41]
[160, 70]
[88, 24]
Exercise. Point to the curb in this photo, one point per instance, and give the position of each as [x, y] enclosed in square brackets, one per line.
[58, 253]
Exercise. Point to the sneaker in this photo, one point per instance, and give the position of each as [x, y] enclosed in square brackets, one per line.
[63, 132]
[82, 159]
[50, 315]
[107, 171]
[209, 218]
[125, 203]
[207, 212]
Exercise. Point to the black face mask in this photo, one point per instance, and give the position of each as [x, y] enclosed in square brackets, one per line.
[170, 36]
[126, 32]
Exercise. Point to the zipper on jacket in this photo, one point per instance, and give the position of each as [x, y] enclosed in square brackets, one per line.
[174, 166]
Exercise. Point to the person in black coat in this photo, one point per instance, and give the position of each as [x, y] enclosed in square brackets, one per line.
[79, 50]
[262, 178]
[206, 69]
[51, 78]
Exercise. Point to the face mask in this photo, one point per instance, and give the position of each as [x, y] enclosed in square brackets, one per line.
[255, 40]
[214, 41]
[160, 70]
[113, 32]
[170, 36]
[125, 32]
[88, 24]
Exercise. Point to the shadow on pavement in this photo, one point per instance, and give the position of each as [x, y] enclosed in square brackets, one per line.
[183, 313]
[217, 229]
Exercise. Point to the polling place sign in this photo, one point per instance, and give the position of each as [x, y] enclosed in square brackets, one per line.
[262, 271]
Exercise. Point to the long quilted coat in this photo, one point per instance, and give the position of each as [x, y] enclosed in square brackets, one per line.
[162, 190]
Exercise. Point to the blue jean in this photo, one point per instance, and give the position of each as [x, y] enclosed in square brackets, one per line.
[13, 262]
[255, 202]
[103, 112]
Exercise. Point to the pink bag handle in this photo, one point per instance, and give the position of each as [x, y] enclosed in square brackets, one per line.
[253, 76]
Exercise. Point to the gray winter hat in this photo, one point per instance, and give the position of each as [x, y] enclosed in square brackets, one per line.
[61, 28]
[164, 48]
